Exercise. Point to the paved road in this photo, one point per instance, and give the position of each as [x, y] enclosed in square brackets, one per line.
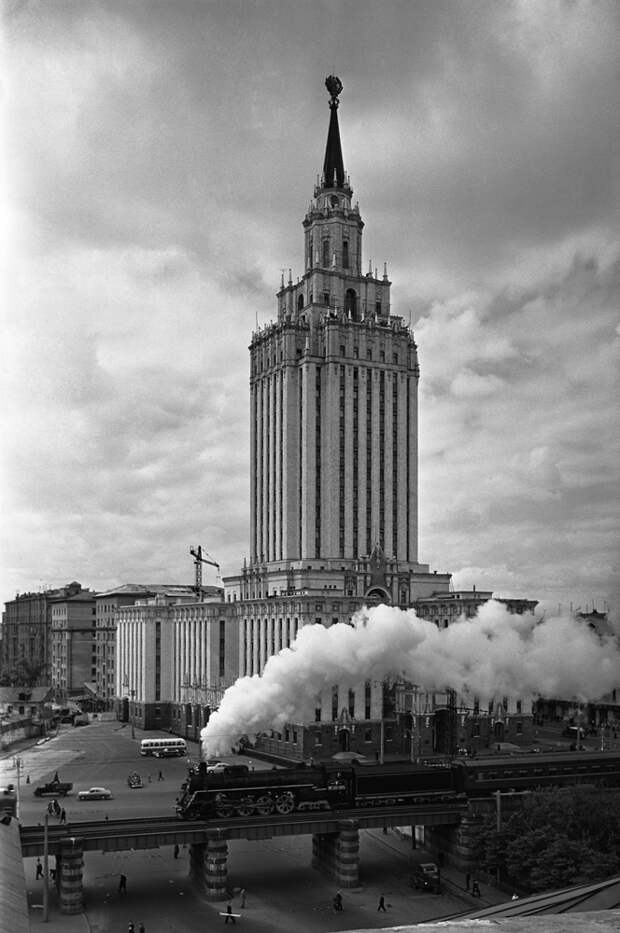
[285, 895]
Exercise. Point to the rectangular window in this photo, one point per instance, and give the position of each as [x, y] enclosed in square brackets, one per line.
[334, 703]
[222, 647]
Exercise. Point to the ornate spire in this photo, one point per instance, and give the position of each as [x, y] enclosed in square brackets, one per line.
[333, 167]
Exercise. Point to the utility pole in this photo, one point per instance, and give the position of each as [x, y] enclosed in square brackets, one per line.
[498, 826]
[46, 873]
[18, 764]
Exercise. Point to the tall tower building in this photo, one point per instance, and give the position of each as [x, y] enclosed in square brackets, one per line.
[334, 419]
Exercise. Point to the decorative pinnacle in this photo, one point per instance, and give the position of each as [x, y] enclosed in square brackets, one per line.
[334, 86]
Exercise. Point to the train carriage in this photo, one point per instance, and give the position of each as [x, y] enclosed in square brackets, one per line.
[483, 776]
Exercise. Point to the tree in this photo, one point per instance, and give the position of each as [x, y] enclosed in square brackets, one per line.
[555, 838]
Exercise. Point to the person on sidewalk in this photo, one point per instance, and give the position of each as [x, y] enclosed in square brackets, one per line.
[63, 815]
[176, 850]
[382, 904]
[229, 915]
[243, 896]
[122, 884]
[39, 873]
[475, 889]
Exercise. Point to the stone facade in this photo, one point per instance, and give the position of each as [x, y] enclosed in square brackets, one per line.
[73, 657]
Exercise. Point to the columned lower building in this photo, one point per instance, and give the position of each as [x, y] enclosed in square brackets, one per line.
[175, 657]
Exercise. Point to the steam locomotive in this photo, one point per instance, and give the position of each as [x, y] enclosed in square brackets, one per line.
[327, 787]
[238, 792]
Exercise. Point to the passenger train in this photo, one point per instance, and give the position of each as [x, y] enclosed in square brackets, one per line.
[238, 792]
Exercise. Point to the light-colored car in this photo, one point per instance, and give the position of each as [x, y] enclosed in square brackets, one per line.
[95, 793]
[217, 768]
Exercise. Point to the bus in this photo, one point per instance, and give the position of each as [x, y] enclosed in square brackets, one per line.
[163, 748]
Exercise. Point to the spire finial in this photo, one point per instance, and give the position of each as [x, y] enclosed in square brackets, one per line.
[333, 167]
[334, 86]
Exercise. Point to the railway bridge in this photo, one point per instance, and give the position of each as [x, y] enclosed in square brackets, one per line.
[335, 841]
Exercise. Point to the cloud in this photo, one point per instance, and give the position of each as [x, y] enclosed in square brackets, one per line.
[159, 161]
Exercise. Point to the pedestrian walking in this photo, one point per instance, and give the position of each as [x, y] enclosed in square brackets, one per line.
[63, 815]
[122, 884]
[475, 889]
[39, 873]
[243, 897]
[160, 776]
[382, 904]
[338, 901]
[467, 880]
[229, 915]
[50, 808]
[176, 850]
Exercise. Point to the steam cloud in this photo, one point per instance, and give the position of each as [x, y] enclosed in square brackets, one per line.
[493, 654]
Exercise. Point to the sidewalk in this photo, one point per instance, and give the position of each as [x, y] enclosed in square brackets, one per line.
[451, 877]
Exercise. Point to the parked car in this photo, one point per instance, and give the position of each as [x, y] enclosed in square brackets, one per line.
[217, 768]
[426, 877]
[95, 793]
[231, 770]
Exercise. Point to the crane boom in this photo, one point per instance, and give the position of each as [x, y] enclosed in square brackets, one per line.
[199, 560]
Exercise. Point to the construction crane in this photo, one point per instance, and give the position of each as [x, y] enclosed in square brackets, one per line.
[201, 559]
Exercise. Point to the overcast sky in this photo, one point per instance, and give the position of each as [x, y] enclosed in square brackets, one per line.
[159, 160]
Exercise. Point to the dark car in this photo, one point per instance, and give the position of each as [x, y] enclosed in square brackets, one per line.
[426, 877]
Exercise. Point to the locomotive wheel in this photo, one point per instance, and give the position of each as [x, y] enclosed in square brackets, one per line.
[245, 806]
[265, 805]
[285, 803]
[223, 806]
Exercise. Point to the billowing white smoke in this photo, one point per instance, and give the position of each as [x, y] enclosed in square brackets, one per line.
[494, 654]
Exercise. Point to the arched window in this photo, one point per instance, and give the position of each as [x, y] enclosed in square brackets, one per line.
[350, 303]
[300, 303]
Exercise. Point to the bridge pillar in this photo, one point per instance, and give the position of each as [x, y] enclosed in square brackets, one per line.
[69, 865]
[208, 865]
[338, 854]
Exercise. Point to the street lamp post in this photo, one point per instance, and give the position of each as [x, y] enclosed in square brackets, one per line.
[18, 765]
[132, 693]
[415, 723]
